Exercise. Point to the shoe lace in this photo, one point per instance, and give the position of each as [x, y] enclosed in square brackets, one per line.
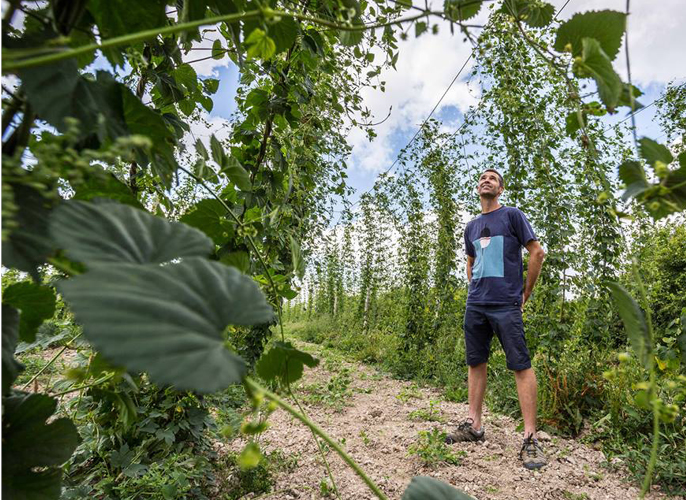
[530, 447]
[467, 424]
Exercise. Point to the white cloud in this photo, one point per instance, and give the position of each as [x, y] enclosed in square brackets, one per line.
[427, 65]
[656, 37]
[203, 50]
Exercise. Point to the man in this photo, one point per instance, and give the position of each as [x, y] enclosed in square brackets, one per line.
[496, 300]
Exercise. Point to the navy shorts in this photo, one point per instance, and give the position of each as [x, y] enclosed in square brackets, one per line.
[481, 322]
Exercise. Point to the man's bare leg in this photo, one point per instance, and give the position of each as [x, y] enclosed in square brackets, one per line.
[526, 389]
[476, 384]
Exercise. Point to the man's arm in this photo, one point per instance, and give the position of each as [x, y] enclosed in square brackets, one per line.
[536, 255]
[470, 263]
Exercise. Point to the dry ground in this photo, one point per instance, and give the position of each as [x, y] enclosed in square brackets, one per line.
[371, 415]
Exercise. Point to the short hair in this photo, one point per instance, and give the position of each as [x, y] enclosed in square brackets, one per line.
[500, 177]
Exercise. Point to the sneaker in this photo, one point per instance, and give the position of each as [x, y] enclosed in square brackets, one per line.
[465, 432]
[532, 454]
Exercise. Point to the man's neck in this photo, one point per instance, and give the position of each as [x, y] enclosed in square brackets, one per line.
[489, 205]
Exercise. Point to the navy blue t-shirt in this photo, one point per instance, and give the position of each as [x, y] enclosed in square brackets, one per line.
[495, 240]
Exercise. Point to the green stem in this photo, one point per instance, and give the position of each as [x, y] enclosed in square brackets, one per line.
[316, 440]
[653, 392]
[250, 240]
[656, 438]
[50, 363]
[283, 404]
[81, 387]
[13, 65]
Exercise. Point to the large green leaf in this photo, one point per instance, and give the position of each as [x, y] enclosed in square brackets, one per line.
[284, 33]
[633, 176]
[237, 174]
[461, 10]
[284, 362]
[168, 320]
[10, 336]
[535, 13]
[28, 244]
[653, 151]
[595, 64]
[428, 488]
[634, 322]
[36, 303]
[96, 104]
[210, 217]
[95, 233]
[260, 45]
[120, 17]
[606, 26]
[32, 449]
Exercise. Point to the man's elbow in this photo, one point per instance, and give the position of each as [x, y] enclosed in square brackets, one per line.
[539, 254]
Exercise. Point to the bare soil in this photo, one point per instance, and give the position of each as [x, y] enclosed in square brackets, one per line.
[372, 418]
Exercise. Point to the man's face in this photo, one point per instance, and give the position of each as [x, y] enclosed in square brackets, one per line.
[489, 185]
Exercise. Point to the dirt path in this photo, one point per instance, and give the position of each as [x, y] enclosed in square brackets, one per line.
[372, 416]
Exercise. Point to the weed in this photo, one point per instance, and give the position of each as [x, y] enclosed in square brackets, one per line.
[332, 394]
[432, 450]
[365, 438]
[410, 392]
[430, 414]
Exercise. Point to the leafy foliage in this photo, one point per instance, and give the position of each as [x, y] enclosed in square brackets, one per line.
[31, 443]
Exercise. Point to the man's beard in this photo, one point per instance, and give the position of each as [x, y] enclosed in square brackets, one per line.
[488, 195]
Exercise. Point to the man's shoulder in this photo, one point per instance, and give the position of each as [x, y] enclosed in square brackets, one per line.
[512, 211]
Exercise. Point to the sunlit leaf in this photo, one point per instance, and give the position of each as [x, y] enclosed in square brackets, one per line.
[250, 456]
[260, 46]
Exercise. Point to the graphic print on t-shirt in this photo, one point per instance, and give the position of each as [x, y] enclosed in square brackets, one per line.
[489, 256]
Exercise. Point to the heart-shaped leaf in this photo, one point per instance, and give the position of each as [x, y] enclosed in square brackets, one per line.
[168, 320]
[210, 216]
[284, 362]
[110, 232]
[606, 26]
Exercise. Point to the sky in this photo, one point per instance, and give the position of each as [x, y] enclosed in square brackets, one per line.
[428, 64]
